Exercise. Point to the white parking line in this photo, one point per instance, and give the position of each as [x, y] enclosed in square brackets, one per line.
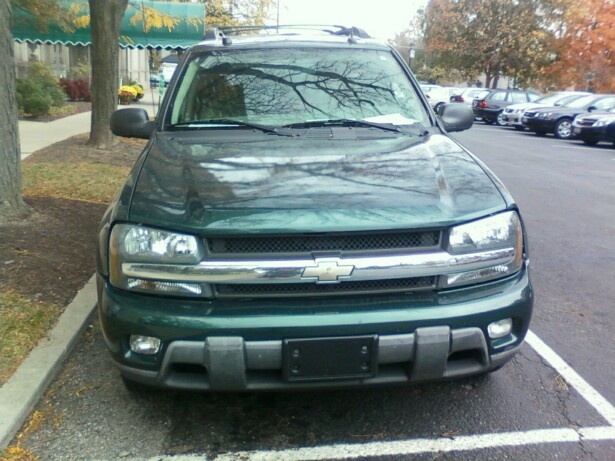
[600, 404]
[448, 444]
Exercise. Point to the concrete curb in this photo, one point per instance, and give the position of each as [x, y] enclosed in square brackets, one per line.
[23, 390]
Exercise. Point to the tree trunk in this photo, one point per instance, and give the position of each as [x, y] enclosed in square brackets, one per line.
[487, 79]
[105, 20]
[496, 80]
[12, 206]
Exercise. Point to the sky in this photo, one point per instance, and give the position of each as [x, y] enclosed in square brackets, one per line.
[380, 18]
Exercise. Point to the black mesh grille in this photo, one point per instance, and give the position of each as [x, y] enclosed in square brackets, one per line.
[312, 243]
[309, 289]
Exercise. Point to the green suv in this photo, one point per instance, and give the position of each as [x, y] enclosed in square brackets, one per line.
[300, 219]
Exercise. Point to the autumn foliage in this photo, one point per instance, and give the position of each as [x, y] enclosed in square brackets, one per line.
[586, 49]
[540, 43]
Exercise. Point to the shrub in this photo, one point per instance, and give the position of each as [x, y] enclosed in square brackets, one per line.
[45, 77]
[32, 98]
[39, 91]
[77, 89]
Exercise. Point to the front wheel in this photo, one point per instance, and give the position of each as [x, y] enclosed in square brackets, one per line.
[500, 120]
[563, 129]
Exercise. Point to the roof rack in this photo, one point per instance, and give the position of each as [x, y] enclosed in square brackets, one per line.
[223, 33]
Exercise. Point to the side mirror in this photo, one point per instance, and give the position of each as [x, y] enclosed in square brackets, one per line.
[132, 123]
[456, 117]
[591, 108]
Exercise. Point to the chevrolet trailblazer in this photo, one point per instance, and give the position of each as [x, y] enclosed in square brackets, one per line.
[300, 218]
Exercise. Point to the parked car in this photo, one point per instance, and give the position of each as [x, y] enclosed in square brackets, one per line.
[491, 106]
[595, 127]
[558, 120]
[165, 71]
[295, 224]
[454, 94]
[436, 95]
[467, 95]
[513, 113]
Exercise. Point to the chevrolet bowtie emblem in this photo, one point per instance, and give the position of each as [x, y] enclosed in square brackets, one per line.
[327, 271]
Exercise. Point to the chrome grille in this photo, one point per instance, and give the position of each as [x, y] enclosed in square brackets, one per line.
[586, 121]
[309, 243]
[309, 289]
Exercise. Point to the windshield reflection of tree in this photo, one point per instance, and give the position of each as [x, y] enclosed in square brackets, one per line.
[344, 89]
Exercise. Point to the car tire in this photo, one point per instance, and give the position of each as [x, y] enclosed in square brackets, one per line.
[563, 129]
[590, 142]
[500, 120]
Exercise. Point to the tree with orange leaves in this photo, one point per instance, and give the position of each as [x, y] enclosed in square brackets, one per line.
[493, 38]
[586, 47]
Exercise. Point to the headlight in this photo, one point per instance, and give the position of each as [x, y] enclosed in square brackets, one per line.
[499, 232]
[130, 243]
[546, 115]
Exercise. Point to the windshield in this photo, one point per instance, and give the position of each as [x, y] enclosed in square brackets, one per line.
[286, 86]
[551, 98]
[582, 101]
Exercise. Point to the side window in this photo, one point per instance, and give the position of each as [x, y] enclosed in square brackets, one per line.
[499, 96]
[532, 96]
[518, 97]
[604, 104]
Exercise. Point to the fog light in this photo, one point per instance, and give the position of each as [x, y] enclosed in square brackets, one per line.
[500, 328]
[146, 345]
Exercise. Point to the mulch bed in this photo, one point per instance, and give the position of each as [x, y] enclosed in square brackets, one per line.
[71, 108]
[51, 255]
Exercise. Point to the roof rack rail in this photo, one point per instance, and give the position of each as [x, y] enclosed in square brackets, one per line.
[222, 32]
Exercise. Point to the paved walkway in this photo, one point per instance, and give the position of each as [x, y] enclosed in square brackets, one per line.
[36, 135]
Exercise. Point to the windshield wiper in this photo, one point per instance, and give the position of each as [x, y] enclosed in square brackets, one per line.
[197, 124]
[344, 122]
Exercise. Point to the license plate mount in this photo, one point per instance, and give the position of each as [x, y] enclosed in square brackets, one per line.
[325, 359]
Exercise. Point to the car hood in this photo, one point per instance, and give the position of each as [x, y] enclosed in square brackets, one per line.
[283, 184]
[596, 115]
[562, 110]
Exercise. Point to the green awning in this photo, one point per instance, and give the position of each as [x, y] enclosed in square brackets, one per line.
[187, 29]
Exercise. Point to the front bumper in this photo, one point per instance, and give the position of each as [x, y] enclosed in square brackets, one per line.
[239, 346]
[539, 125]
[512, 118]
[591, 133]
